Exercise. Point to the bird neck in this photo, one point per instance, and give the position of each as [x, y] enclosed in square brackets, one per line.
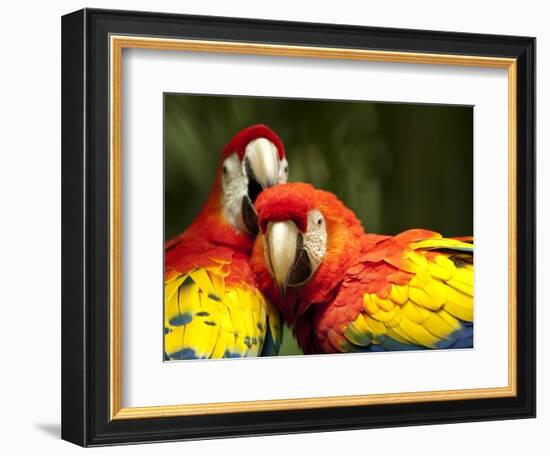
[345, 244]
[313, 302]
[212, 225]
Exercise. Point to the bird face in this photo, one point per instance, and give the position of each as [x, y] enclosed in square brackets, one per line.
[295, 232]
[292, 255]
[253, 161]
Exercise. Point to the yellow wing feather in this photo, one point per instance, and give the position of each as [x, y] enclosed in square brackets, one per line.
[204, 318]
[434, 310]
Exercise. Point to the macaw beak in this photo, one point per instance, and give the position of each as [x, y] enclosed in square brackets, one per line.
[261, 164]
[286, 257]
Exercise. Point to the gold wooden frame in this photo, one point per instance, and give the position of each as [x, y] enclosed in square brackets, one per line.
[117, 44]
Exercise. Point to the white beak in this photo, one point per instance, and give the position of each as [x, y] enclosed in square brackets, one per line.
[281, 240]
[263, 159]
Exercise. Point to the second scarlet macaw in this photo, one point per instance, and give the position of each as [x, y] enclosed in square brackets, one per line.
[342, 290]
[212, 306]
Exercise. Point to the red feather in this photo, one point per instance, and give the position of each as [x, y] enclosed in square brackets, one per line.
[239, 142]
[355, 263]
[211, 239]
[285, 204]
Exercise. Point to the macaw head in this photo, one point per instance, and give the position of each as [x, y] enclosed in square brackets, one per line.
[308, 236]
[252, 161]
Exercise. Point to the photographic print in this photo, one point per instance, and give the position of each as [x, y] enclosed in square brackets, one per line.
[298, 227]
[307, 216]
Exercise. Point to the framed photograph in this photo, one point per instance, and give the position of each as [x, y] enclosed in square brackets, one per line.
[278, 227]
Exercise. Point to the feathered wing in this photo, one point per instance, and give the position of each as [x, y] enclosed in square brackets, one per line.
[212, 308]
[413, 291]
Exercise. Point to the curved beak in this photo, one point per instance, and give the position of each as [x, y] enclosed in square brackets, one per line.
[282, 242]
[286, 256]
[262, 163]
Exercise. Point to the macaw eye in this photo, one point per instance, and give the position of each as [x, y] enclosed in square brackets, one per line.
[320, 221]
[225, 170]
[285, 169]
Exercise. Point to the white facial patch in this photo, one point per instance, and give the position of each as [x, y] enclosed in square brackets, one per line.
[235, 187]
[315, 238]
[263, 160]
[283, 171]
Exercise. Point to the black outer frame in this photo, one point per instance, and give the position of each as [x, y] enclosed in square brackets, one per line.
[85, 227]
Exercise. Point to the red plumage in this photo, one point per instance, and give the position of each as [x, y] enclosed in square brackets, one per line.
[346, 240]
[212, 305]
[289, 205]
[355, 264]
[239, 142]
[211, 236]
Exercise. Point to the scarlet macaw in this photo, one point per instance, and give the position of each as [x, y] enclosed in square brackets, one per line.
[213, 308]
[342, 290]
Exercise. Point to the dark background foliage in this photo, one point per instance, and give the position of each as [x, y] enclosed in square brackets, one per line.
[398, 166]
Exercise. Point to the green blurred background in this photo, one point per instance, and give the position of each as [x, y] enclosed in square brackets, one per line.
[398, 166]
